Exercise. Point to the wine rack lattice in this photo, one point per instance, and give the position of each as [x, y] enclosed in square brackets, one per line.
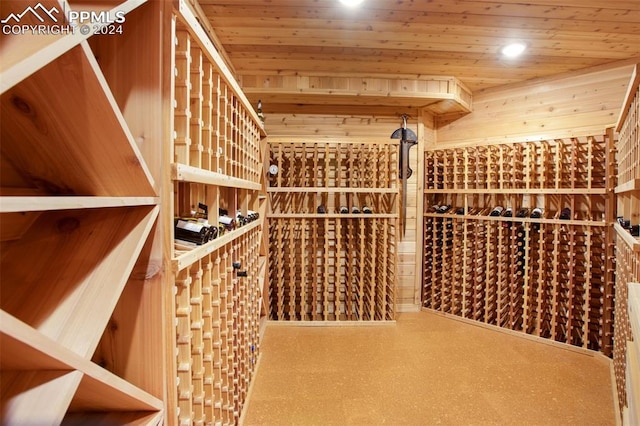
[333, 231]
[550, 276]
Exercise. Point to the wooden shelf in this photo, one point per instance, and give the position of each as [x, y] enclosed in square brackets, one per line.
[332, 190]
[333, 216]
[630, 186]
[630, 240]
[44, 133]
[38, 204]
[182, 260]
[540, 191]
[184, 173]
[518, 219]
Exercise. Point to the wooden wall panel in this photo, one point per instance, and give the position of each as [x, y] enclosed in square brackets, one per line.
[364, 127]
[572, 105]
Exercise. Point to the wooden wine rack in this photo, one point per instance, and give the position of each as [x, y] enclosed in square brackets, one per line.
[332, 266]
[627, 246]
[217, 159]
[548, 277]
[81, 306]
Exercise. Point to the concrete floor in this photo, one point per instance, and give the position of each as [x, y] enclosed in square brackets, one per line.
[424, 370]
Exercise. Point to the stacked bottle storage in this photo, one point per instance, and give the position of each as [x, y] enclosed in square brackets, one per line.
[217, 209]
[333, 230]
[627, 239]
[488, 259]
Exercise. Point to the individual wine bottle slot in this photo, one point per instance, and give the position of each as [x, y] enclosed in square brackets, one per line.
[497, 211]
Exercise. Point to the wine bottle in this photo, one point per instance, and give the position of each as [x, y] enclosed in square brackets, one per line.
[191, 231]
[565, 213]
[434, 208]
[355, 210]
[497, 211]
[460, 210]
[366, 210]
[536, 213]
[523, 212]
[344, 209]
[253, 215]
[240, 219]
[228, 222]
[321, 209]
[444, 208]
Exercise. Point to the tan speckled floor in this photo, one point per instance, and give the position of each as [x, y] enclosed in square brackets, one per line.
[424, 370]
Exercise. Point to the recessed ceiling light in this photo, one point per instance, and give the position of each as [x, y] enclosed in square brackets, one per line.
[351, 3]
[513, 50]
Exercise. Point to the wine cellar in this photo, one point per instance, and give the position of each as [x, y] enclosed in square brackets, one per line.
[333, 230]
[209, 216]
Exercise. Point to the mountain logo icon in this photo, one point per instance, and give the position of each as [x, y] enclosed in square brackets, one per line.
[38, 11]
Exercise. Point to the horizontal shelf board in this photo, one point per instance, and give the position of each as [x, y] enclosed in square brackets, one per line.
[633, 185]
[185, 259]
[137, 418]
[31, 204]
[632, 242]
[332, 190]
[519, 191]
[27, 53]
[331, 140]
[24, 348]
[328, 323]
[184, 173]
[518, 219]
[332, 216]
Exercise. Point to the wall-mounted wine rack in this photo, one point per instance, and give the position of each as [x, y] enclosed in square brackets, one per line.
[541, 262]
[627, 244]
[333, 230]
[217, 218]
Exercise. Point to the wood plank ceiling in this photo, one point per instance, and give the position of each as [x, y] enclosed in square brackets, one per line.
[310, 55]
